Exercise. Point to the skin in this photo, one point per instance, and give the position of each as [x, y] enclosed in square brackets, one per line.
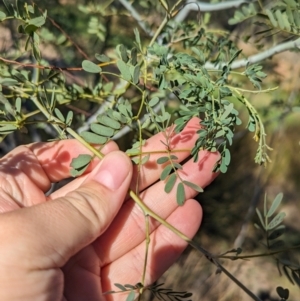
[77, 242]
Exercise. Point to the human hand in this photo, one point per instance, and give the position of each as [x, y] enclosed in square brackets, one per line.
[77, 242]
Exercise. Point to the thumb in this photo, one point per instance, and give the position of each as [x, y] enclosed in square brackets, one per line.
[50, 233]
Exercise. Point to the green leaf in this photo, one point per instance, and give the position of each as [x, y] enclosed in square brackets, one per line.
[275, 204]
[137, 38]
[136, 74]
[271, 17]
[18, 105]
[91, 67]
[120, 286]
[59, 115]
[170, 183]
[30, 8]
[227, 157]
[19, 76]
[69, 118]
[105, 120]
[7, 129]
[276, 221]
[102, 130]
[166, 171]
[124, 69]
[177, 165]
[53, 100]
[193, 186]
[102, 58]
[154, 101]
[257, 226]
[260, 218]
[145, 159]
[131, 296]
[227, 111]
[180, 195]
[146, 123]
[2, 15]
[162, 160]
[36, 51]
[130, 286]
[122, 52]
[8, 81]
[223, 167]
[38, 21]
[93, 138]
[133, 54]
[79, 171]
[81, 161]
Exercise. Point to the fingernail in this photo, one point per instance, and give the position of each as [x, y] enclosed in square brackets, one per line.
[113, 170]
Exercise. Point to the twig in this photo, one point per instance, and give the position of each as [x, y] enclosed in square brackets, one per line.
[260, 56]
[40, 66]
[67, 36]
[206, 7]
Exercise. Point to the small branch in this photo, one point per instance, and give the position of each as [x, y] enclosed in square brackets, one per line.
[67, 37]
[256, 58]
[40, 66]
[194, 5]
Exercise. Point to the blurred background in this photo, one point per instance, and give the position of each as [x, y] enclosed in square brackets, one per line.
[229, 202]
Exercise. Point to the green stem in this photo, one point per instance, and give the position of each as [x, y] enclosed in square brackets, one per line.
[146, 253]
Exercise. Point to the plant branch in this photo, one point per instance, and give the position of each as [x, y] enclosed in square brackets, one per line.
[260, 56]
[67, 37]
[194, 5]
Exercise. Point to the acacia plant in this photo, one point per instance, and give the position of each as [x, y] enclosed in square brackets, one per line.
[165, 73]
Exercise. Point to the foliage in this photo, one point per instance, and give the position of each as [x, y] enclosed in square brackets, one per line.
[140, 86]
